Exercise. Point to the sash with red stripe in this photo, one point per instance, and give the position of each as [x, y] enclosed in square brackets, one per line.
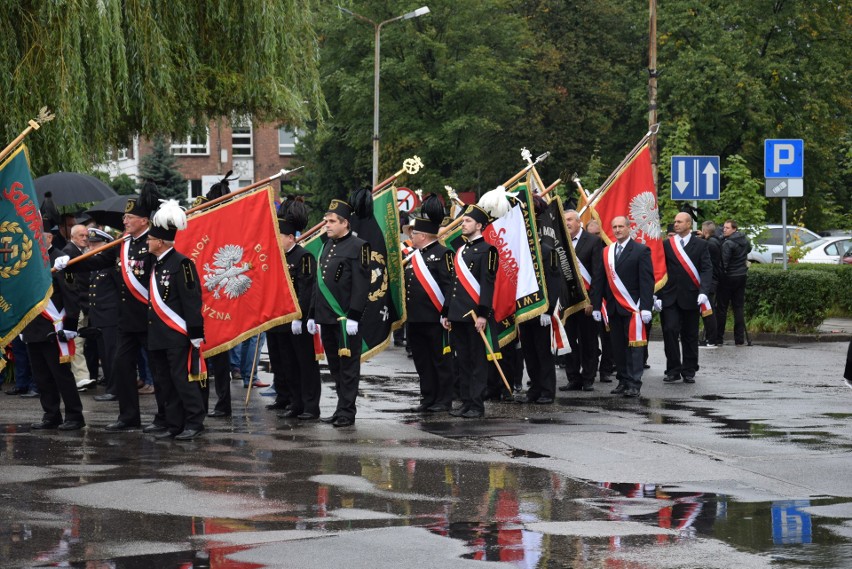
[584, 272]
[134, 285]
[559, 344]
[466, 278]
[636, 334]
[196, 365]
[426, 280]
[66, 349]
[689, 268]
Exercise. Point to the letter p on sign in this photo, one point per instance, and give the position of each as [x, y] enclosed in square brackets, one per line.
[784, 158]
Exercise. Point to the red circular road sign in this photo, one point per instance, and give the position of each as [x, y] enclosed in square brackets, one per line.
[406, 199]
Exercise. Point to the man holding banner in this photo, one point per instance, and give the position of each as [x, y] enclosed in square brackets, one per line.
[340, 297]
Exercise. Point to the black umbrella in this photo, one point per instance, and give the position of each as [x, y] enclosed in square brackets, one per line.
[109, 212]
[70, 188]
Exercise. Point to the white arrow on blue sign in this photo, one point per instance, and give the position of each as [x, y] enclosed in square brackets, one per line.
[695, 178]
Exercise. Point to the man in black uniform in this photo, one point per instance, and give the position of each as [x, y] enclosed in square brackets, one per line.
[175, 328]
[340, 297]
[291, 352]
[428, 282]
[475, 267]
[103, 314]
[581, 365]
[535, 334]
[134, 266]
[50, 346]
[78, 243]
[684, 298]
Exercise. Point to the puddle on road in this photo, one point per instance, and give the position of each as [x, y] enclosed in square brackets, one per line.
[60, 518]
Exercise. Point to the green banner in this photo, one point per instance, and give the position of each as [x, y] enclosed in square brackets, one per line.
[25, 281]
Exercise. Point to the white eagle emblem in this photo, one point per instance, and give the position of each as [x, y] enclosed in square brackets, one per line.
[645, 217]
[226, 274]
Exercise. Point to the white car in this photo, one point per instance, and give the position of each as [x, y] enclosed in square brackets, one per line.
[767, 248]
[827, 250]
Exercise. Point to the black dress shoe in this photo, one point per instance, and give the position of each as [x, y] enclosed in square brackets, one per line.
[307, 417]
[524, 399]
[646, 366]
[188, 434]
[71, 426]
[571, 387]
[14, 391]
[278, 405]
[671, 378]
[44, 425]
[619, 389]
[106, 397]
[606, 378]
[120, 426]
[543, 401]
[631, 392]
[154, 428]
[218, 413]
[471, 414]
[342, 421]
[690, 379]
[329, 419]
[458, 412]
[164, 434]
[288, 414]
[438, 409]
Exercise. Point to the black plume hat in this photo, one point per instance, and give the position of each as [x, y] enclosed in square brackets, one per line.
[295, 218]
[431, 214]
[362, 202]
[146, 203]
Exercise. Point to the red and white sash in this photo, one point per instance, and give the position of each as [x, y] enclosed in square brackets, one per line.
[466, 278]
[559, 344]
[636, 335]
[136, 288]
[689, 267]
[587, 278]
[196, 366]
[66, 349]
[426, 280]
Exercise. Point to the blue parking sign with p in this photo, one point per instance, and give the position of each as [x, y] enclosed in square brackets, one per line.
[784, 158]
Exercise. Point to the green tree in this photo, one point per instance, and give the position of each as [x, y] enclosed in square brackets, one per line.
[160, 168]
[742, 198]
[123, 185]
[111, 69]
[677, 144]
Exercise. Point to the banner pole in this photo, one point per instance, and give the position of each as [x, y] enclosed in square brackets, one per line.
[44, 115]
[472, 315]
[248, 188]
[251, 373]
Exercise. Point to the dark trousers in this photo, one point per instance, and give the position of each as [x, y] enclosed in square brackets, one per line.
[628, 360]
[127, 349]
[279, 363]
[184, 406]
[219, 366]
[581, 365]
[346, 370]
[426, 341]
[55, 382]
[731, 292]
[540, 362]
[92, 355]
[680, 330]
[301, 375]
[106, 353]
[23, 373]
[607, 363]
[471, 361]
[710, 328]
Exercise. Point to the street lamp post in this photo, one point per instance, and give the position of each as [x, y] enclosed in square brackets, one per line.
[378, 30]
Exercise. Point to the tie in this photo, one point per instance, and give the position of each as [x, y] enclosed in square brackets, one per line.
[682, 242]
[617, 251]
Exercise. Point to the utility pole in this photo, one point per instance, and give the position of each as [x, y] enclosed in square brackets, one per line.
[652, 83]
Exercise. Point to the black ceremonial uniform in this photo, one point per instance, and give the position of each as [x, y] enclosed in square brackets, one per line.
[168, 350]
[471, 356]
[53, 378]
[344, 267]
[535, 338]
[581, 365]
[132, 326]
[425, 333]
[294, 363]
[103, 316]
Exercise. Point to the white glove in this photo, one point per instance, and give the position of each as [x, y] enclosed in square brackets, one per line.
[351, 327]
[296, 327]
[312, 327]
[196, 342]
[596, 315]
[702, 298]
[66, 335]
[646, 316]
[61, 262]
[658, 304]
[544, 320]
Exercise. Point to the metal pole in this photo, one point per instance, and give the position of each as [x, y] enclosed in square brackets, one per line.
[784, 231]
[376, 107]
[652, 83]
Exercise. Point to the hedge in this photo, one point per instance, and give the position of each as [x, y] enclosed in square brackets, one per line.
[802, 296]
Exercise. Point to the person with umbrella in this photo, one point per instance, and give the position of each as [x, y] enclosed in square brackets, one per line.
[134, 264]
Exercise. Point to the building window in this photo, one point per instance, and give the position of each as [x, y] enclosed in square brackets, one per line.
[192, 145]
[195, 188]
[287, 140]
[241, 138]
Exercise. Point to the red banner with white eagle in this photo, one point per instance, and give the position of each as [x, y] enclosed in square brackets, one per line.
[245, 284]
[633, 194]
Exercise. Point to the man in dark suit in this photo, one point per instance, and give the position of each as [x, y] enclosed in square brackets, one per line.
[78, 243]
[103, 315]
[340, 297]
[175, 328]
[50, 346]
[428, 283]
[475, 267]
[581, 365]
[628, 293]
[684, 298]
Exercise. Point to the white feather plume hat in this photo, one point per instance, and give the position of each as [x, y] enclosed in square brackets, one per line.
[167, 220]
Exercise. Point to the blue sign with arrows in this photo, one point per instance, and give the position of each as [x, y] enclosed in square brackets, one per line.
[695, 178]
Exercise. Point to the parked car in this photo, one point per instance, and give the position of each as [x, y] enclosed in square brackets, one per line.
[828, 250]
[767, 247]
[847, 256]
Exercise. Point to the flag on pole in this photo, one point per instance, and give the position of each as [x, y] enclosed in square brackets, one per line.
[631, 192]
[25, 281]
[245, 284]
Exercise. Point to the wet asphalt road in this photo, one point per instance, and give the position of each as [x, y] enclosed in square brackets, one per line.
[749, 467]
